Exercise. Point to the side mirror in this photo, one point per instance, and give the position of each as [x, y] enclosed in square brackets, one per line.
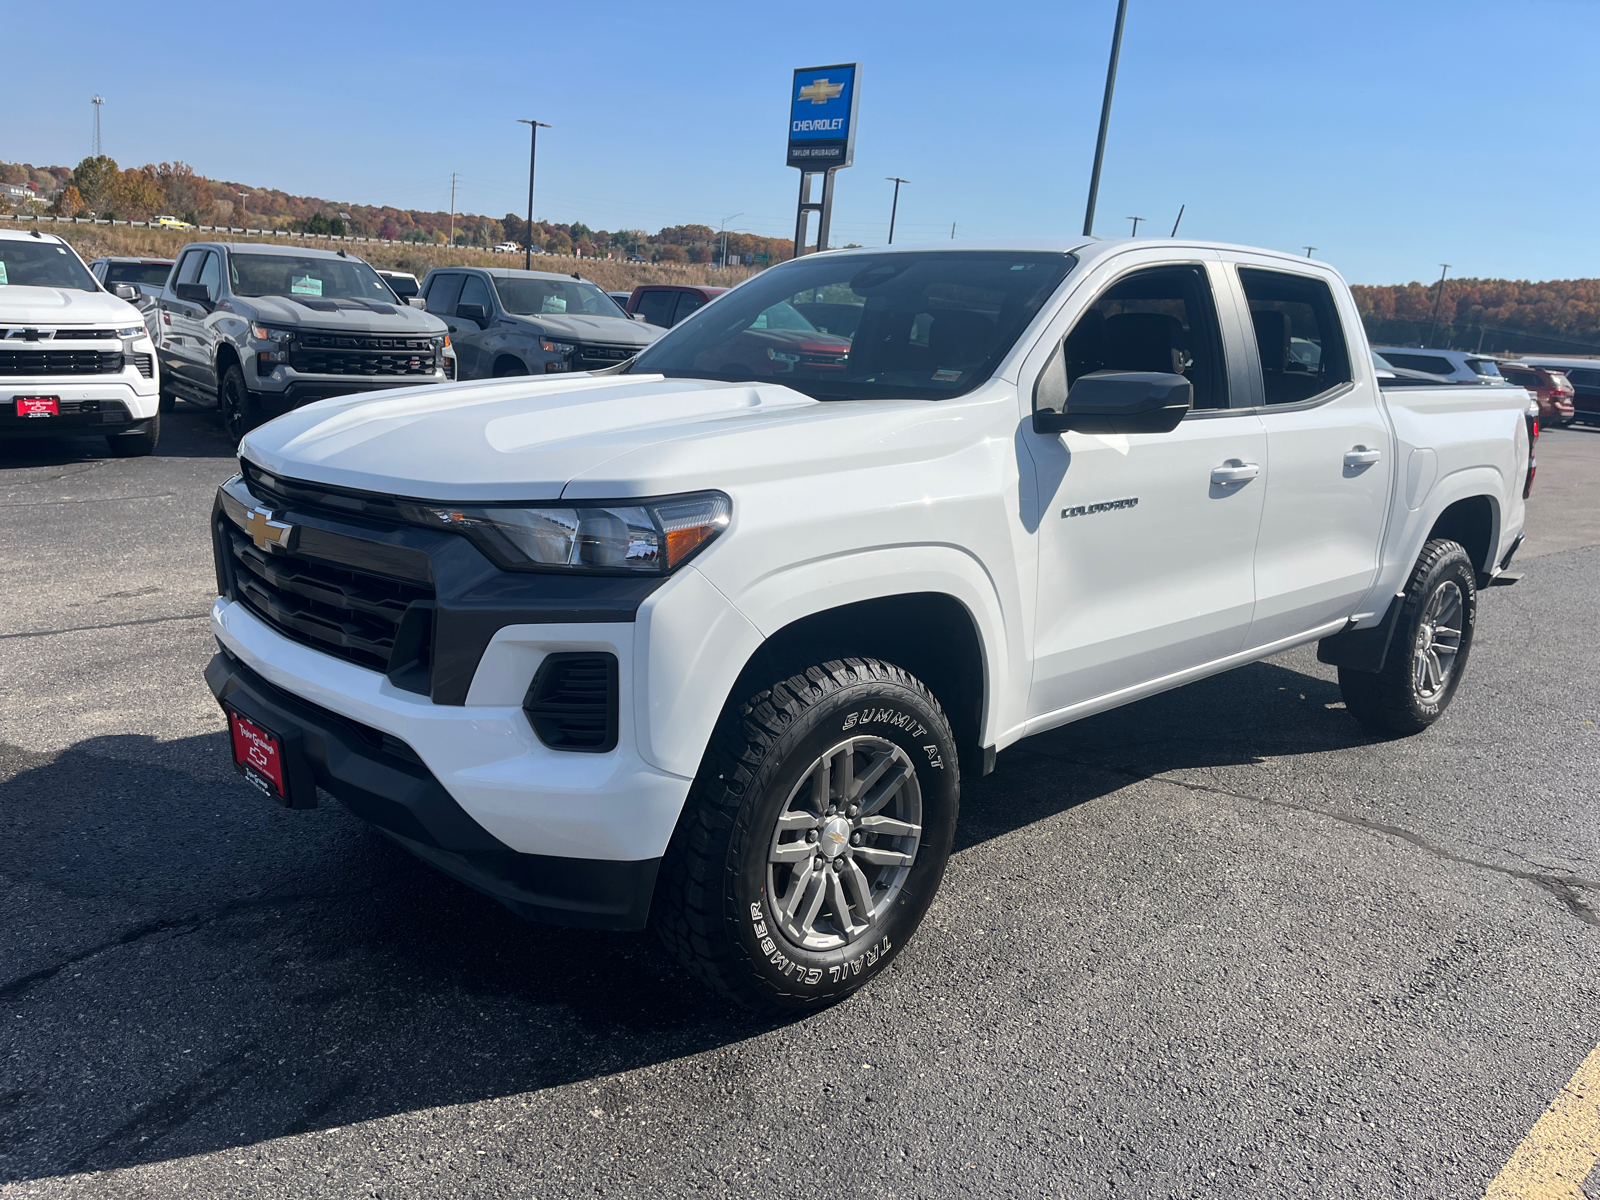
[640, 317]
[195, 293]
[472, 312]
[418, 302]
[126, 291]
[1119, 402]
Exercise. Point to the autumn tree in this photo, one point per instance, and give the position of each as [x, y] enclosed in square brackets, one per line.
[134, 194]
[69, 203]
[93, 178]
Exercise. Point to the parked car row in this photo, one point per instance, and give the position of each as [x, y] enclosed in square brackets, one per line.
[1565, 389]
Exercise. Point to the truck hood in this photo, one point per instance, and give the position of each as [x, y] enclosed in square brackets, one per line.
[511, 439]
[312, 312]
[614, 331]
[64, 306]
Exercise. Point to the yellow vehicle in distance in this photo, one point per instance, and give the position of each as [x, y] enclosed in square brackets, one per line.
[171, 223]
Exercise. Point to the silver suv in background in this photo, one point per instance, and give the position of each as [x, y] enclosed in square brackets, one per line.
[504, 322]
[257, 330]
[1455, 365]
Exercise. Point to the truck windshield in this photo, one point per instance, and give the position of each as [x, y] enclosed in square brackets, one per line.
[43, 264]
[918, 326]
[544, 297]
[305, 278]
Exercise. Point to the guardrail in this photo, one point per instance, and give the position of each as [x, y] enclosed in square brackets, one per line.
[284, 233]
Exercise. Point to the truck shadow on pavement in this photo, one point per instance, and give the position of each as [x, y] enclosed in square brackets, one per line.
[188, 968]
[190, 432]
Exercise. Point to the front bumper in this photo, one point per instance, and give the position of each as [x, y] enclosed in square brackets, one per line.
[383, 782]
[111, 404]
[600, 816]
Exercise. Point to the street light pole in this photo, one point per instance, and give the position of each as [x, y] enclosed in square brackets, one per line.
[1135, 221]
[1105, 119]
[533, 148]
[1438, 296]
[894, 207]
[725, 221]
[1308, 250]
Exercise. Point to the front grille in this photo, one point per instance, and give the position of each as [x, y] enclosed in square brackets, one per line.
[350, 613]
[60, 362]
[572, 702]
[590, 356]
[60, 335]
[361, 354]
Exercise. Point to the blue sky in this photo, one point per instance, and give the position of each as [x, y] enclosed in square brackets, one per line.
[1391, 136]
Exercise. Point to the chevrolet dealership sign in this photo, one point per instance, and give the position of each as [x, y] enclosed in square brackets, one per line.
[822, 117]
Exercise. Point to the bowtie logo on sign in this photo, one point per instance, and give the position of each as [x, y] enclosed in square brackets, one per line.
[820, 91]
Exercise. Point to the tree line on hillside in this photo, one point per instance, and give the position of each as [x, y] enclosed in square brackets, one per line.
[1490, 315]
[99, 186]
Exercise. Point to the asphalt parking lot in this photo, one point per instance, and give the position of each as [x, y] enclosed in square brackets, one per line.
[1219, 943]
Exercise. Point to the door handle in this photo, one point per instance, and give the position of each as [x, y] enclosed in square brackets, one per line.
[1360, 456]
[1234, 471]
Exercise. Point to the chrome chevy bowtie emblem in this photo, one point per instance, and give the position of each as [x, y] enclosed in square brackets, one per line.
[265, 532]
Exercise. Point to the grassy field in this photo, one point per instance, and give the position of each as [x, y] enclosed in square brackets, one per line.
[93, 241]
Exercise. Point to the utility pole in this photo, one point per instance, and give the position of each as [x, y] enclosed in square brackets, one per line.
[453, 206]
[244, 215]
[98, 102]
[1308, 250]
[533, 147]
[1438, 296]
[1135, 221]
[1105, 119]
[952, 231]
[894, 205]
[1179, 221]
[725, 221]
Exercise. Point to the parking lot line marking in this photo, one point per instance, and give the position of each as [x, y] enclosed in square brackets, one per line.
[114, 625]
[1561, 1148]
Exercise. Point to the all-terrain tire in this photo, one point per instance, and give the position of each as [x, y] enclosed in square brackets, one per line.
[136, 445]
[715, 906]
[1402, 698]
[237, 405]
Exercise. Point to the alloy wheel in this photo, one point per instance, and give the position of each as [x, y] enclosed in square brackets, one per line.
[1438, 642]
[844, 842]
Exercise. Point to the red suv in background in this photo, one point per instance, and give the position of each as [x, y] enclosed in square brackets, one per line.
[1552, 389]
[665, 304]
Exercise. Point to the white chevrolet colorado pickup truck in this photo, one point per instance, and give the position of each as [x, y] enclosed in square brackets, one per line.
[75, 357]
[708, 639]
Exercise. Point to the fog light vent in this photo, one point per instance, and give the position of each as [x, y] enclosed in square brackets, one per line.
[572, 702]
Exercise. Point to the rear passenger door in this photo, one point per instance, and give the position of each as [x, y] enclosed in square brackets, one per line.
[1329, 464]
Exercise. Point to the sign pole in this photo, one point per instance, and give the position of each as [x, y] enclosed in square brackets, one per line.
[826, 219]
[1105, 118]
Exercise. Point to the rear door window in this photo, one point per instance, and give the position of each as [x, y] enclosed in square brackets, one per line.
[656, 307]
[1483, 366]
[1299, 341]
[687, 303]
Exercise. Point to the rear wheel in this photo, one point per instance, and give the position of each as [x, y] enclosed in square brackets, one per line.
[1430, 647]
[136, 445]
[240, 410]
[815, 836]
[509, 366]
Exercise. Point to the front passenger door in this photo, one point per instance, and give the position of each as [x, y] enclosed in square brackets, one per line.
[180, 321]
[1146, 541]
[471, 338]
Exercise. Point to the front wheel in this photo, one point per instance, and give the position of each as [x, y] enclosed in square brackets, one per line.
[136, 445]
[814, 838]
[1428, 654]
[239, 408]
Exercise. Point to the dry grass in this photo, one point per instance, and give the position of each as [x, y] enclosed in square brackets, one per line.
[93, 241]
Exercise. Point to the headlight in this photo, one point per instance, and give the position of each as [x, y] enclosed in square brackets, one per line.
[654, 537]
[265, 333]
[133, 331]
[550, 347]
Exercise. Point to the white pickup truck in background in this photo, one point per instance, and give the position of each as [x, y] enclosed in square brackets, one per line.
[708, 639]
[75, 357]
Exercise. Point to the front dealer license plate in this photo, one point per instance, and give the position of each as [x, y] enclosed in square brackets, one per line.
[38, 406]
[258, 753]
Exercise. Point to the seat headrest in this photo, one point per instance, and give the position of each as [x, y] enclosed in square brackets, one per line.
[1272, 337]
[960, 340]
[1142, 341]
